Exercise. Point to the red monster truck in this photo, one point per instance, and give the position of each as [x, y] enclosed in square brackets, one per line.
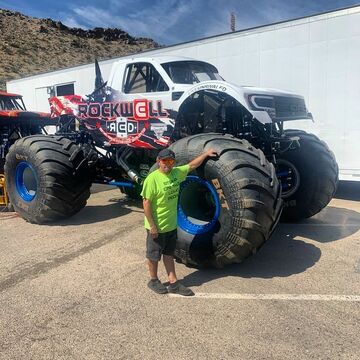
[230, 205]
[16, 122]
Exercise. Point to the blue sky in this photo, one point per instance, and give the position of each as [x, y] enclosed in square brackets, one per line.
[172, 21]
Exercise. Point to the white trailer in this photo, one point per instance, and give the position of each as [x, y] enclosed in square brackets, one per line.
[316, 56]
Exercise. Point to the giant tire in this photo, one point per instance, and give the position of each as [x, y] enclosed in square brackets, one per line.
[47, 178]
[315, 166]
[248, 194]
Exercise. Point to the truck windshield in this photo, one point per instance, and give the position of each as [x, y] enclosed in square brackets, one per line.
[10, 103]
[191, 72]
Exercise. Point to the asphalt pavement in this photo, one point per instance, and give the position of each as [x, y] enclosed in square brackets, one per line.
[77, 290]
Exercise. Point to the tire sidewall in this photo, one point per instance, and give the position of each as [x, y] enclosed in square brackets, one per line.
[13, 159]
[63, 178]
[314, 170]
[307, 179]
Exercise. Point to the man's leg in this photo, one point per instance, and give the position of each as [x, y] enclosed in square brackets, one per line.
[153, 269]
[170, 268]
[153, 254]
[175, 286]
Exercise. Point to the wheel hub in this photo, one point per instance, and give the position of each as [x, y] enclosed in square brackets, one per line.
[198, 206]
[26, 181]
[288, 176]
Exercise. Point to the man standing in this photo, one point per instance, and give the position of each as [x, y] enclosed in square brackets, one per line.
[160, 196]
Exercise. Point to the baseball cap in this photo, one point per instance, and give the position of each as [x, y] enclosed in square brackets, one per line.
[166, 154]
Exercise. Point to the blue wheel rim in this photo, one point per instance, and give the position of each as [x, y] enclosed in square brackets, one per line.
[26, 181]
[183, 220]
[289, 177]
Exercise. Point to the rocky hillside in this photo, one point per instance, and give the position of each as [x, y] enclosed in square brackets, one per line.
[29, 45]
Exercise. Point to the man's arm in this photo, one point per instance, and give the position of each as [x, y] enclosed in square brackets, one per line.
[200, 159]
[150, 219]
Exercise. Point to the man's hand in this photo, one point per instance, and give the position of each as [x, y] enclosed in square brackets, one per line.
[154, 232]
[211, 153]
[200, 159]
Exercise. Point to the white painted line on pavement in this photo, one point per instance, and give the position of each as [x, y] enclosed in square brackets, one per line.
[281, 297]
[325, 225]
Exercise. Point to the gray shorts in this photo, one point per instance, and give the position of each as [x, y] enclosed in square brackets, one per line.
[164, 244]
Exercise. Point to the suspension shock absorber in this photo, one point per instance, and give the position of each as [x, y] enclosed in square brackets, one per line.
[4, 142]
[121, 159]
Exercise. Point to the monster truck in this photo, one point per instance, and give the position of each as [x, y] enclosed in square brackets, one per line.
[229, 206]
[16, 122]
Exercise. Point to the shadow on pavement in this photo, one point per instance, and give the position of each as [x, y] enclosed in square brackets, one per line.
[90, 214]
[285, 254]
[136, 205]
[94, 214]
[331, 224]
[281, 256]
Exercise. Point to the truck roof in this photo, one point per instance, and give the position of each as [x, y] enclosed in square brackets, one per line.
[161, 59]
[4, 93]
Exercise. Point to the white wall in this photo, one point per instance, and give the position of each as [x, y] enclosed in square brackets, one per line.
[317, 57]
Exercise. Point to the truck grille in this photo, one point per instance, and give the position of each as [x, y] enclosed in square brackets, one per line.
[290, 108]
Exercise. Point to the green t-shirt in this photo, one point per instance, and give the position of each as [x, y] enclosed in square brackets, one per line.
[163, 191]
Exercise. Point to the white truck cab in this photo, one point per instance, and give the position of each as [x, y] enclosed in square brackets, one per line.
[175, 79]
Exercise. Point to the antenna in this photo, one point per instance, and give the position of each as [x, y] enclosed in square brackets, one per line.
[232, 21]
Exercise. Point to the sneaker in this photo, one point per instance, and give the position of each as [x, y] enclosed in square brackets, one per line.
[180, 289]
[157, 286]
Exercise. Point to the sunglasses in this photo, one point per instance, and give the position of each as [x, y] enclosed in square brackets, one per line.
[168, 161]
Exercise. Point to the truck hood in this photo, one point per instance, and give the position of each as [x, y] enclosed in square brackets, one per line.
[266, 91]
[280, 105]
[23, 116]
[23, 113]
